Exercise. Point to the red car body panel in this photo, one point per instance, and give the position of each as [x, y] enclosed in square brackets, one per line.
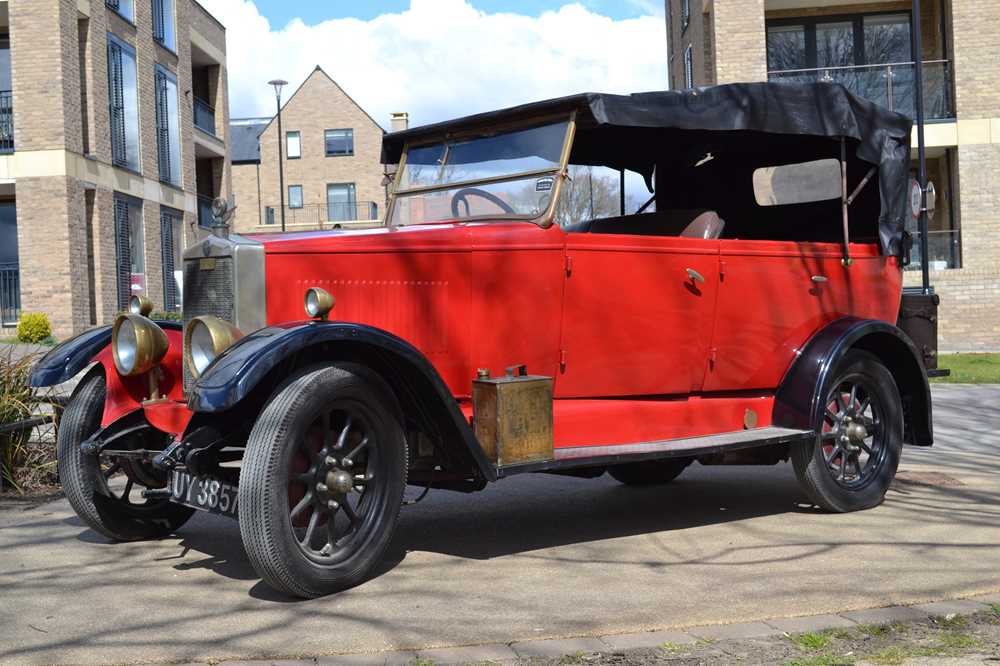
[126, 394]
[648, 338]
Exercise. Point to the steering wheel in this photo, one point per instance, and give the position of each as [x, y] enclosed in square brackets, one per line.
[463, 193]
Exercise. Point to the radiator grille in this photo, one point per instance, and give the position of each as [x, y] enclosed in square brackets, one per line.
[207, 292]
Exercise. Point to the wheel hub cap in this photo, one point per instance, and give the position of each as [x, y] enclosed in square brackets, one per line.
[856, 432]
[339, 482]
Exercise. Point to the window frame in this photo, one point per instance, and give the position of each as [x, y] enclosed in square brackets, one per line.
[114, 41]
[288, 149]
[685, 15]
[352, 199]
[168, 249]
[161, 73]
[302, 197]
[326, 150]
[161, 19]
[809, 24]
[115, 6]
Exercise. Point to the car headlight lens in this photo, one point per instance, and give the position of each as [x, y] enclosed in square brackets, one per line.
[318, 302]
[205, 338]
[137, 344]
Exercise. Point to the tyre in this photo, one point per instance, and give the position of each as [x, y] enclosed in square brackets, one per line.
[852, 461]
[649, 472]
[322, 480]
[106, 491]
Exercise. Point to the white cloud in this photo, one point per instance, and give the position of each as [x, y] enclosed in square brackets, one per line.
[443, 58]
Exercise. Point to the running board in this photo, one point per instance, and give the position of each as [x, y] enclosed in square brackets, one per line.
[686, 447]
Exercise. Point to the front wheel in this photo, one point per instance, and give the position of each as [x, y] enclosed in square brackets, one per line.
[106, 491]
[852, 461]
[322, 481]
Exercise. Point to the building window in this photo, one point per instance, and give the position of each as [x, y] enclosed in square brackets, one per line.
[269, 215]
[341, 204]
[293, 145]
[125, 8]
[129, 248]
[689, 67]
[944, 234]
[295, 196]
[339, 142]
[164, 25]
[123, 104]
[685, 14]
[168, 129]
[172, 245]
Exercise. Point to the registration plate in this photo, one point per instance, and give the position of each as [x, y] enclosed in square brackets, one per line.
[203, 492]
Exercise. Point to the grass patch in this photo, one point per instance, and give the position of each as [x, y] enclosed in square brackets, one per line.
[951, 621]
[823, 660]
[958, 641]
[995, 609]
[671, 647]
[874, 630]
[811, 640]
[897, 654]
[422, 661]
[970, 368]
[575, 658]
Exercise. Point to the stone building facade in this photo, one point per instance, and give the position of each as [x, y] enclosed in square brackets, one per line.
[332, 168]
[865, 45]
[113, 129]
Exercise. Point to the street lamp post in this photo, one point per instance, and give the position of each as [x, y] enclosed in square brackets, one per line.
[278, 85]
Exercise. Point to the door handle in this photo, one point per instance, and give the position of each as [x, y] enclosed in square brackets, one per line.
[819, 279]
[695, 275]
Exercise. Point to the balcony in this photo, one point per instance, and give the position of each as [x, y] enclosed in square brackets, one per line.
[6, 122]
[891, 85]
[204, 116]
[322, 216]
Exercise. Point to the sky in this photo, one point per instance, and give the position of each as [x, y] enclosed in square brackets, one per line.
[439, 59]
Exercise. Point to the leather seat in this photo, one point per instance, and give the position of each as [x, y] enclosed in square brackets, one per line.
[699, 223]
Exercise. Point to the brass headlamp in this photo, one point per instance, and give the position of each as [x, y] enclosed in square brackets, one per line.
[137, 344]
[205, 338]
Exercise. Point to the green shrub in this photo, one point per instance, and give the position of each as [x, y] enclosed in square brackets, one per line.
[165, 316]
[33, 327]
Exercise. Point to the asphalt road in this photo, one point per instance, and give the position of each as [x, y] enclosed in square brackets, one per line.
[531, 557]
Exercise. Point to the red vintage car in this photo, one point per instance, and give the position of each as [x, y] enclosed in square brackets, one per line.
[740, 312]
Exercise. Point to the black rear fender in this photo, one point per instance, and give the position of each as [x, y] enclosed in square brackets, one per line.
[799, 399]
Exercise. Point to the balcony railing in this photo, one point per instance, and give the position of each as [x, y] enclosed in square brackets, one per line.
[6, 122]
[323, 216]
[944, 248]
[10, 294]
[891, 85]
[204, 116]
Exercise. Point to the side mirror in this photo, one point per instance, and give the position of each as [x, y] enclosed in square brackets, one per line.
[806, 182]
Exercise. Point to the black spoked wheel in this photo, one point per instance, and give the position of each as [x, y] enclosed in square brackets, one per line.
[649, 472]
[322, 481]
[856, 453]
[106, 492]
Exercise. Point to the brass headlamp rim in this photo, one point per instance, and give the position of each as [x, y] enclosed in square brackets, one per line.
[324, 302]
[138, 304]
[222, 333]
[151, 344]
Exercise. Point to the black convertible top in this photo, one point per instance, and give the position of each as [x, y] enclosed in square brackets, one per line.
[621, 131]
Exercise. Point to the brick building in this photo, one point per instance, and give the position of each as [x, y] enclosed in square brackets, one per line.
[331, 152]
[113, 126]
[866, 46]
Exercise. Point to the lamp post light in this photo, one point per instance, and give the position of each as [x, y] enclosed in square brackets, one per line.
[278, 84]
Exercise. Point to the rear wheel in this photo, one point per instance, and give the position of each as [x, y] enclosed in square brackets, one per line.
[649, 472]
[854, 457]
[106, 491]
[322, 481]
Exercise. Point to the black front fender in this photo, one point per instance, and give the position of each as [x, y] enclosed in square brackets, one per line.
[66, 359]
[799, 400]
[236, 373]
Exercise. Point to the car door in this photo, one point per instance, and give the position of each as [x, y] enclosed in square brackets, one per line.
[637, 314]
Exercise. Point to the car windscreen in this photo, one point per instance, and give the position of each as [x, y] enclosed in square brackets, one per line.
[506, 154]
